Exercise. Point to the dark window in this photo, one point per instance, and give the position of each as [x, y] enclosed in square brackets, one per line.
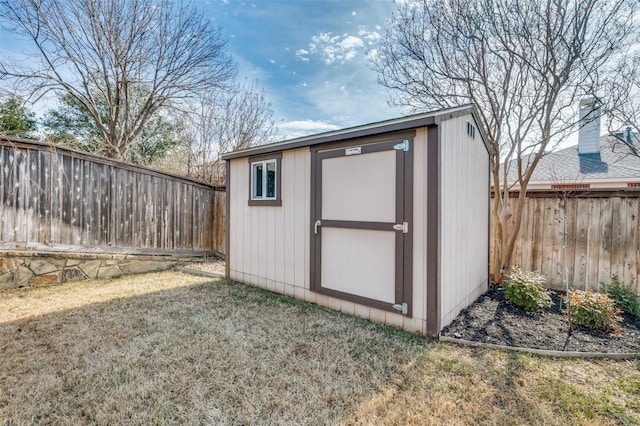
[471, 131]
[265, 181]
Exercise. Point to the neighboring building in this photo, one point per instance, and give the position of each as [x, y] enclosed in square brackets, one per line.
[580, 221]
[387, 221]
[597, 163]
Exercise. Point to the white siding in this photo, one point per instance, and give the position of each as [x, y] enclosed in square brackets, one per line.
[464, 209]
[269, 245]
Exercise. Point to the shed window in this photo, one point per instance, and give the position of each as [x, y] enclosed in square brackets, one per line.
[265, 181]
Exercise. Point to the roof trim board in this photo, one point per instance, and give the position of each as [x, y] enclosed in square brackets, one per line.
[387, 126]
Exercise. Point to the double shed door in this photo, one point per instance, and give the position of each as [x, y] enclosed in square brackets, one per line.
[361, 223]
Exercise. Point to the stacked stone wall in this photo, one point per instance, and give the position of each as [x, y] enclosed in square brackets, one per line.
[23, 269]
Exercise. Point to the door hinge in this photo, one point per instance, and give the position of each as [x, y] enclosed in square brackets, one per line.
[404, 227]
[402, 307]
[403, 146]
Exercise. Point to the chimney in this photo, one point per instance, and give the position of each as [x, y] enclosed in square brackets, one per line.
[589, 133]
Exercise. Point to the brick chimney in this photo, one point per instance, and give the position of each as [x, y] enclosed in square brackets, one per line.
[589, 133]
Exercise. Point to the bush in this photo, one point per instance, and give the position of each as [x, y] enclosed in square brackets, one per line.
[625, 298]
[524, 289]
[595, 310]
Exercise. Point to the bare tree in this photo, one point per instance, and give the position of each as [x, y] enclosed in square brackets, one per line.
[218, 122]
[119, 49]
[525, 64]
[622, 95]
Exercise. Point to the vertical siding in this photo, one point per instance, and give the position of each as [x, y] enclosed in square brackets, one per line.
[464, 233]
[420, 227]
[269, 245]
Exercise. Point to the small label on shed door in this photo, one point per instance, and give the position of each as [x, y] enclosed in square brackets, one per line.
[353, 151]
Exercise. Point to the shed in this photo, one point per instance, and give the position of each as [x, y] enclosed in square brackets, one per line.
[388, 221]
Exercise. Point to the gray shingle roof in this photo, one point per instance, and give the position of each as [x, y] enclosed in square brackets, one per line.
[616, 160]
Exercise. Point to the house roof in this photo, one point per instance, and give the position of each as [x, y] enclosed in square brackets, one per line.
[615, 161]
[387, 126]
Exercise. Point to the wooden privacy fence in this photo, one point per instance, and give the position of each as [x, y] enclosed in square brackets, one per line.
[593, 236]
[59, 199]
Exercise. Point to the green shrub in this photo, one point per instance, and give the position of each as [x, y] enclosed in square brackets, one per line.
[595, 310]
[524, 289]
[625, 298]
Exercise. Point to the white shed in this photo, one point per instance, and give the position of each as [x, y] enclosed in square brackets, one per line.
[388, 221]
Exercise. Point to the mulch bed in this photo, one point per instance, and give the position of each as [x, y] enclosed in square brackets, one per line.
[491, 319]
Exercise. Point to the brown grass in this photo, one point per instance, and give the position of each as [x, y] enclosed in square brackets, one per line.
[169, 348]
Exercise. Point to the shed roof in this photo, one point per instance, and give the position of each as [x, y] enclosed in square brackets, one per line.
[393, 125]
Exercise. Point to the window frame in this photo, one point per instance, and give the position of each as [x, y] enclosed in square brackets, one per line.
[264, 159]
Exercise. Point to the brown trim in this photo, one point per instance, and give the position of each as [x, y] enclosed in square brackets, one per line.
[278, 200]
[265, 157]
[407, 260]
[227, 237]
[389, 126]
[353, 224]
[433, 232]
[399, 257]
[404, 201]
[368, 144]
[315, 208]
[265, 203]
[372, 303]
[315, 252]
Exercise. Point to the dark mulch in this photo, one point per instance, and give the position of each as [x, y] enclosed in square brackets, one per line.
[491, 319]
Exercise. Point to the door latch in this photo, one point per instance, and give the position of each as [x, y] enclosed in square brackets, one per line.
[316, 225]
[404, 227]
[402, 307]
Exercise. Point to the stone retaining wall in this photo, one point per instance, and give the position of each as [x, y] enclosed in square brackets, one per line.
[22, 268]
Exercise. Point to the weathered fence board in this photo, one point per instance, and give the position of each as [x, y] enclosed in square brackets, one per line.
[593, 236]
[59, 198]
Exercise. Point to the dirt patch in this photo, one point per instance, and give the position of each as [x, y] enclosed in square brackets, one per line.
[491, 319]
[212, 265]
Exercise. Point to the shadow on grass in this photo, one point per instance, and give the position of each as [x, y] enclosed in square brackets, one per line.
[218, 352]
[210, 352]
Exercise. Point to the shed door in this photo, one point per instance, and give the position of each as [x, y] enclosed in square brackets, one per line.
[361, 228]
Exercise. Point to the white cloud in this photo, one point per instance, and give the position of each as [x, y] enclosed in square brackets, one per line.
[331, 48]
[353, 13]
[350, 43]
[371, 37]
[303, 55]
[296, 129]
[273, 61]
[335, 48]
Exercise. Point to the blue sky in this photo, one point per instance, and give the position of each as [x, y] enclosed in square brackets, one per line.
[310, 56]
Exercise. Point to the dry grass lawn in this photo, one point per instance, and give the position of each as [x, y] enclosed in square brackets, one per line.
[169, 348]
